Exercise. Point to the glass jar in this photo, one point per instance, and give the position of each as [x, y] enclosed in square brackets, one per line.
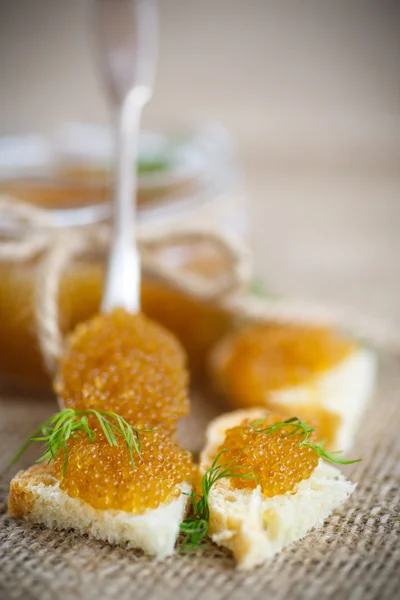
[190, 179]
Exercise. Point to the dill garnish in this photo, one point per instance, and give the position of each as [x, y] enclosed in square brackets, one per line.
[301, 428]
[195, 527]
[258, 287]
[71, 423]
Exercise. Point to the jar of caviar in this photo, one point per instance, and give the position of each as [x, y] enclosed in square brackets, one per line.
[185, 179]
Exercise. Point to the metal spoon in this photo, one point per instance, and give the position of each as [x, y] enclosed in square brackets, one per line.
[127, 32]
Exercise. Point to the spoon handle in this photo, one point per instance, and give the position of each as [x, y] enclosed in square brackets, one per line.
[126, 32]
[123, 275]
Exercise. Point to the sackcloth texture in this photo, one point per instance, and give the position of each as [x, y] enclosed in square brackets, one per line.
[355, 555]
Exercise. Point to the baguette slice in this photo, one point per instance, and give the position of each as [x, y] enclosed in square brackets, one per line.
[35, 496]
[333, 400]
[255, 527]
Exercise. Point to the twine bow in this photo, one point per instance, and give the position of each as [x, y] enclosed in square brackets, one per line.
[29, 232]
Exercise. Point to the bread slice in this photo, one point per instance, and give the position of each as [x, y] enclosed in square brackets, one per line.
[334, 400]
[35, 495]
[255, 527]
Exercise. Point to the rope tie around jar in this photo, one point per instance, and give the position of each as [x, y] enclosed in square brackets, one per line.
[30, 233]
[57, 249]
[48, 278]
[13, 247]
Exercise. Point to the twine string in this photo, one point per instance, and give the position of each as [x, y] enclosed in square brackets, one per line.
[57, 249]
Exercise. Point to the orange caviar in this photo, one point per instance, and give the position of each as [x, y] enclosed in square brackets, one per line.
[276, 459]
[125, 364]
[102, 475]
[255, 362]
[269, 357]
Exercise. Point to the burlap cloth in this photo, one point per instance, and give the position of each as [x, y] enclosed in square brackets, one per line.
[355, 555]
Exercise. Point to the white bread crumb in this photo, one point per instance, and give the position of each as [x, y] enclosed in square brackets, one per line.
[36, 496]
[255, 527]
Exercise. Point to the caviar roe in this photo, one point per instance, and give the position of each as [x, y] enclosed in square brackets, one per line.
[276, 459]
[270, 357]
[125, 364]
[102, 475]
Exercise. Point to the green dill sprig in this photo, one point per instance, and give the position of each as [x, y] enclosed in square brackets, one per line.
[71, 423]
[258, 287]
[196, 526]
[299, 427]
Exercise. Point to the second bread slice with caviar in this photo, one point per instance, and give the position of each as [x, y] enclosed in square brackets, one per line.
[316, 373]
[100, 493]
[295, 489]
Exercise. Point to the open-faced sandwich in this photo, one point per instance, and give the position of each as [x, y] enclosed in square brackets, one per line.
[115, 470]
[265, 483]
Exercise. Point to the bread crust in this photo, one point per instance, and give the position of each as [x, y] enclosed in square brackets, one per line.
[21, 499]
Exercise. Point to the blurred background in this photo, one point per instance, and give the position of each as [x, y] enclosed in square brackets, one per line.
[310, 93]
